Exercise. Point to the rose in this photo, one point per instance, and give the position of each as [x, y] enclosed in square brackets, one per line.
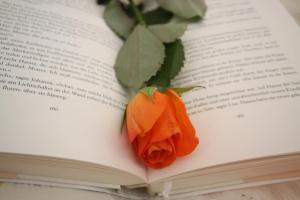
[159, 129]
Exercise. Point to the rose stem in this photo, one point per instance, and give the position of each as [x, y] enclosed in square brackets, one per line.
[137, 13]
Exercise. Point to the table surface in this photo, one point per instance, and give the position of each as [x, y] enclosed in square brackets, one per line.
[281, 191]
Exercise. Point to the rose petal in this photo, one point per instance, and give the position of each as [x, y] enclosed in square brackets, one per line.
[166, 125]
[187, 141]
[143, 112]
[165, 157]
[142, 143]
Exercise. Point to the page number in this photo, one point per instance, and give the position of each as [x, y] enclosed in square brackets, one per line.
[240, 116]
[52, 108]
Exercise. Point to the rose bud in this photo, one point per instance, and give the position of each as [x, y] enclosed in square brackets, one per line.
[159, 128]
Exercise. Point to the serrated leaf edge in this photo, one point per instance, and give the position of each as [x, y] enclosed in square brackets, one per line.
[160, 62]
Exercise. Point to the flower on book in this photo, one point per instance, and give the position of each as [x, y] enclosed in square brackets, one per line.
[158, 127]
[152, 56]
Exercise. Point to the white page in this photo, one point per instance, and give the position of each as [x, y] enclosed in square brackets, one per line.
[246, 54]
[62, 98]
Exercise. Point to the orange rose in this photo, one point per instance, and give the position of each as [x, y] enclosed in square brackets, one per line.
[159, 129]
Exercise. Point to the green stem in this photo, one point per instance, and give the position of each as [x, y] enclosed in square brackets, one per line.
[137, 13]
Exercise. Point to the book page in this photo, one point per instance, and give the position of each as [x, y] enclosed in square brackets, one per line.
[246, 54]
[59, 95]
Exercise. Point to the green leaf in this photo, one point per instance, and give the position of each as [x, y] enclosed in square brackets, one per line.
[184, 8]
[157, 16]
[181, 90]
[102, 2]
[128, 9]
[168, 32]
[136, 2]
[160, 80]
[140, 58]
[149, 91]
[172, 65]
[117, 19]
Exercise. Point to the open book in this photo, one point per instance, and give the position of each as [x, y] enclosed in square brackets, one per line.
[61, 106]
